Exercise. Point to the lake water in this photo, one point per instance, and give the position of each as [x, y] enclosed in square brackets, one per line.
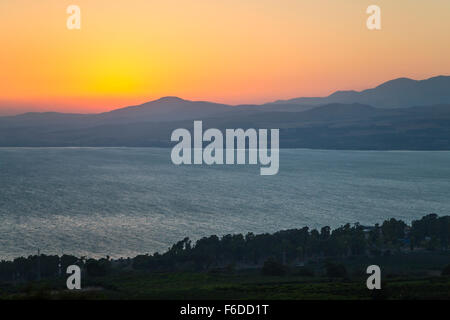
[127, 201]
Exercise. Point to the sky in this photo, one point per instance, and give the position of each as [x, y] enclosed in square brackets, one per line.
[235, 51]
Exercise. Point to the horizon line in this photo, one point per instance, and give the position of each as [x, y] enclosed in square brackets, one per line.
[214, 102]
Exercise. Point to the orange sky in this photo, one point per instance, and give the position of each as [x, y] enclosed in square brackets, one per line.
[234, 51]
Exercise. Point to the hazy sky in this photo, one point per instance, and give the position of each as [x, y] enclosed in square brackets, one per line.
[233, 51]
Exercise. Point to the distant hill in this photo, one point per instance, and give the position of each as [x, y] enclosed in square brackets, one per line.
[333, 126]
[165, 109]
[398, 93]
[379, 118]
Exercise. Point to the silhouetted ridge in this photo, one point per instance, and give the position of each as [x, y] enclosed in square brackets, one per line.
[397, 93]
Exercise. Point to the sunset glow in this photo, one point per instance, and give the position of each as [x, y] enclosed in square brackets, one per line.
[247, 51]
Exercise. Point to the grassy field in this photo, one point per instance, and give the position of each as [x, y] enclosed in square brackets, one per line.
[411, 276]
[193, 286]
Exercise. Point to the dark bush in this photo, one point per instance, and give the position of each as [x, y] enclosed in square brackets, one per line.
[335, 270]
[446, 271]
[304, 272]
[273, 268]
[97, 268]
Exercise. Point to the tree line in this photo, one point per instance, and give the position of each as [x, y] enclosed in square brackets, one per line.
[286, 247]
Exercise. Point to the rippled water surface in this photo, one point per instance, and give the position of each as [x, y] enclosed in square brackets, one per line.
[123, 202]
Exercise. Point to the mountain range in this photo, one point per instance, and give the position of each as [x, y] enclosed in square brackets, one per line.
[398, 114]
[398, 93]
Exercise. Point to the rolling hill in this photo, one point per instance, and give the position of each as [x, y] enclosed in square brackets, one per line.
[415, 115]
[398, 93]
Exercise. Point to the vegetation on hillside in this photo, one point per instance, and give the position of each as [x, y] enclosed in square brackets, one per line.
[297, 263]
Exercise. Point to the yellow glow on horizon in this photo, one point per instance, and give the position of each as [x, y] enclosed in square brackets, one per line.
[235, 51]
